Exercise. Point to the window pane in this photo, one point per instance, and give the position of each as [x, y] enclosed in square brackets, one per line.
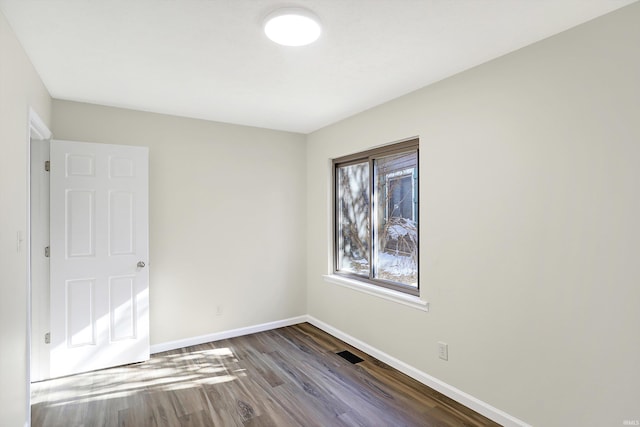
[400, 199]
[396, 218]
[353, 218]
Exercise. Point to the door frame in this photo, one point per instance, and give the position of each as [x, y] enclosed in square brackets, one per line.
[37, 130]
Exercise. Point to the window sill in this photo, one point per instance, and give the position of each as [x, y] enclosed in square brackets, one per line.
[388, 294]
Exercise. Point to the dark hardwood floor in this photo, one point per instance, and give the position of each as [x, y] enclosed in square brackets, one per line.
[285, 377]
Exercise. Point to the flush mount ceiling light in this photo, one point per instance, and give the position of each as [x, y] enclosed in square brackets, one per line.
[292, 27]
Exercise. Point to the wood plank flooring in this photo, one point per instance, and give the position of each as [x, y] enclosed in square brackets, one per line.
[285, 377]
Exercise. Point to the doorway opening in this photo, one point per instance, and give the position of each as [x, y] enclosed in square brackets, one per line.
[39, 136]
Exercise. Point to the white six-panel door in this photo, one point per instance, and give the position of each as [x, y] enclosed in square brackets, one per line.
[99, 251]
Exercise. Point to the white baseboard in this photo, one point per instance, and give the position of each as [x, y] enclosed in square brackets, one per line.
[216, 336]
[460, 396]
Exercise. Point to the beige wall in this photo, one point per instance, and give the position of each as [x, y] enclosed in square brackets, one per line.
[530, 231]
[20, 89]
[227, 216]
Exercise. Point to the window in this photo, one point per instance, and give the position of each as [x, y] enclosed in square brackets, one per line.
[376, 216]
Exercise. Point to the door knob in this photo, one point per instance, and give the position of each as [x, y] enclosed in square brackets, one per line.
[141, 264]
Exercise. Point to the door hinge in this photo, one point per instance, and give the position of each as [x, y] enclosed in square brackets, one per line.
[47, 252]
[47, 338]
[47, 165]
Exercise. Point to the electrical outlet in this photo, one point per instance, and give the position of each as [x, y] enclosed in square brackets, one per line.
[218, 310]
[443, 350]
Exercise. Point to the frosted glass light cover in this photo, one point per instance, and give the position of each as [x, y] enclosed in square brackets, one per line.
[292, 27]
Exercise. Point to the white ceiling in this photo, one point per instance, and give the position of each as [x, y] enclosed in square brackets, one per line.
[209, 59]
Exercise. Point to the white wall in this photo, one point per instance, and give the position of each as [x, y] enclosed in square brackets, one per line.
[530, 231]
[227, 216]
[20, 88]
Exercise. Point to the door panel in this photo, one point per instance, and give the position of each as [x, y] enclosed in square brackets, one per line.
[81, 324]
[122, 223]
[99, 233]
[122, 308]
[80, 223]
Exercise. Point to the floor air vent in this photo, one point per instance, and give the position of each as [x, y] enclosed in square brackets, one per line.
[347, 355]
